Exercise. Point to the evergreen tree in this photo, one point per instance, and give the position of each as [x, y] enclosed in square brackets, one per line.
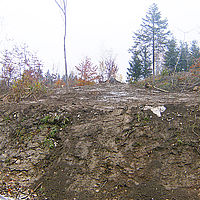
[194, 52]
[135, 70]
[146, 62]
[171, 55]
[181, 58]
[154, 32]
[140, 62]
[184, 61]
[150, 40]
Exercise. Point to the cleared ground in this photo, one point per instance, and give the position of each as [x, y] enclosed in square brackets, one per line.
[102, 142]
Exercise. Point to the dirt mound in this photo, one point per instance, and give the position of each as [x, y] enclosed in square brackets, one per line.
[104, 142]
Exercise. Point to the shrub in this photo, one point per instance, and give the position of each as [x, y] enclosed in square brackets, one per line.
[29, 85]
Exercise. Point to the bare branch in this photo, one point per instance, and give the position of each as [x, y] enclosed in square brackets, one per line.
[63, 10]
[63, 7]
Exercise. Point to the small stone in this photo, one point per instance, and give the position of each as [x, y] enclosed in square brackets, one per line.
[18, 162]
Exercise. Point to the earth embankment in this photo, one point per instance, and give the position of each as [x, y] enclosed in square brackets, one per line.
[102, 142]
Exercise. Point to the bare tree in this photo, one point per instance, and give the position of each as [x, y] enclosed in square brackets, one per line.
[63, 7]
[18, 60]
[87, 71]
[108, 68]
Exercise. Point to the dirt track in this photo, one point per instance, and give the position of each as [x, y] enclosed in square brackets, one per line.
[111, 147]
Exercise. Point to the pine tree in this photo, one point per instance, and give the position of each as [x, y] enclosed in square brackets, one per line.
[184, 62]
[140, 62]
[154, 32]
[135, 71]
[149, 41]
[171, 55]
[146, 62]
[194, 52]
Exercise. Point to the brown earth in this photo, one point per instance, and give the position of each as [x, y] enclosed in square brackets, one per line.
[100, 142]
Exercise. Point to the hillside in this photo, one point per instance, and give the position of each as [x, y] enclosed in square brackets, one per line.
[111, 141]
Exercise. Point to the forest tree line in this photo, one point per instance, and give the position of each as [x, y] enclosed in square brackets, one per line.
[21, 67]
[155, 50]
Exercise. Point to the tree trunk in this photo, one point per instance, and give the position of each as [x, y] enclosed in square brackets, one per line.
[153, 57]
[153, 52]
[63, 8]
[65, 53]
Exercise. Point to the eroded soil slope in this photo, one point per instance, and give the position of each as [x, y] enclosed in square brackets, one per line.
[102, 143]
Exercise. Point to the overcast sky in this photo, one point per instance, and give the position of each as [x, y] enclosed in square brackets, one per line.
[94, 27]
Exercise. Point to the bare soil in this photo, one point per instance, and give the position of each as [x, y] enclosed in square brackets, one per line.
[99, 142]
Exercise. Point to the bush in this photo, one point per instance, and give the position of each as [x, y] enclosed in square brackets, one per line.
[28, 86]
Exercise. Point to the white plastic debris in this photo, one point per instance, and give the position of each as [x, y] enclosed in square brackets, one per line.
[156, 110]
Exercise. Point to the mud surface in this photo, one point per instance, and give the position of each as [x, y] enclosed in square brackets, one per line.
[102, 142]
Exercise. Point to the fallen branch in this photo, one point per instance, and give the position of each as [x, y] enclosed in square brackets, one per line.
[148, 85]
[37, 186]
[27, 95]
[160, 89]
